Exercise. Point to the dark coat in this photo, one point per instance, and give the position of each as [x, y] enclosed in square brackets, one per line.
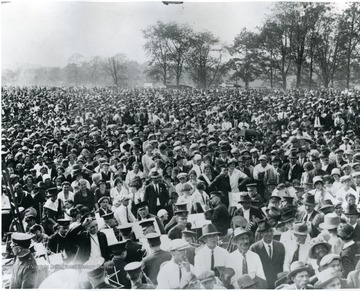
[24, 273]
[272, 266]
[151, 196]
[132, 159]
[83, 240]
[356, 233]
[349, 259]
[117, 274]
[153, 262]
[175, 232]
[134, 252]
[221, 183]
[295, 174]
[219, 217]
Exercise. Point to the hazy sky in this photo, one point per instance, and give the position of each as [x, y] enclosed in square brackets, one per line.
[49, 33]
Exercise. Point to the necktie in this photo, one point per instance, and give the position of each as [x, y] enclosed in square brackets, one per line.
[296, 254]
[127, 214]
[290, 172]
[270, 254]
[244, 266]
[305, 218]
[212, 261]
[179, 274]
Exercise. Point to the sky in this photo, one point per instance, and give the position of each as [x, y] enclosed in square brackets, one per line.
[47, 33]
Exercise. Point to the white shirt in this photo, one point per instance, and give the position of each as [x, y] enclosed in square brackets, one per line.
[267, 248]
[61, 196]
[123, 216]
[290, 249]
[234, 179]
[255, 267]
[95, 250]
[202, 261]
[247, 214]
[169, 275]
[131, 175]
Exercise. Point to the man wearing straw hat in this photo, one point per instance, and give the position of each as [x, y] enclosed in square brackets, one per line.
[328, 279]
[211, 255]
[242, 260]
[299, 276]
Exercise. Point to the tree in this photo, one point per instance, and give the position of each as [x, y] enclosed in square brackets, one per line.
[157, 48]
[245, 61]
[349, 27]
[115, 67]
[73, 67]
[327, 49]
[204, 62]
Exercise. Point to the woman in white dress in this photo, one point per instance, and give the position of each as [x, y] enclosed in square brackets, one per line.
[117, 192]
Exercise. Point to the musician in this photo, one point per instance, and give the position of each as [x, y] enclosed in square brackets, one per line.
[25, 271]
[153, 262]
[96, 273]
[116, 272]
[111, 223]
[58, 241]
[135, 276]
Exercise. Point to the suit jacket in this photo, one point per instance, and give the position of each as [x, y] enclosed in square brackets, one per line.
[356, 234]
[219, 163]
[132, 159]
[301, 215]
[330, 167]
[151, 196]
[349, 259]
[295, 174]
[219, 217]
[282, 177]
[272, 266]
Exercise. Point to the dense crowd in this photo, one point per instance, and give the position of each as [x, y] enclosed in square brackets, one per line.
[191, 189]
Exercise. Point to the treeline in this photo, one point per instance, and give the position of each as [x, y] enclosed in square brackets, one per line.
[81, 71]
[313, 42]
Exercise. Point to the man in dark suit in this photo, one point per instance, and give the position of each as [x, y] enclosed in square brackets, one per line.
[156, 194]
[271, 253]
[89, 240]
[221, 161]
[222, 183]
[352, 218]
[219, 214]
[275, 162]
[179, 160]
[309, 213]
[292, 169]
[136, 157]
[350, 249]
[326, 165]
[143, 214]
[250, 213]
[317, 171]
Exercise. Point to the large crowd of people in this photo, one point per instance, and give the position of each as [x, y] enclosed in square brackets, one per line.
[191, 189]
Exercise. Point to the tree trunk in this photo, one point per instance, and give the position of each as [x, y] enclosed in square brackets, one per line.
[284, 80]
[298, 76]
[348, 67]
[311, 69]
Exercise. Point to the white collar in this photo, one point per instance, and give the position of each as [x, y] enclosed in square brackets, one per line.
[266, 244]
[348, 244]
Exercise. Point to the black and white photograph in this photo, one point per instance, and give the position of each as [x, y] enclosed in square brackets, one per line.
[180, 145]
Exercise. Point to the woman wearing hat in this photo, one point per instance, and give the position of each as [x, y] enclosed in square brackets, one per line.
[319, 191]
[147, 159]
[207, 177]
[100, 192]
[318, 249]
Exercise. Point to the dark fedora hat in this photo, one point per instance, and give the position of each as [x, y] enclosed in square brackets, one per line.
[309, 199]
[287, 216]
[244, 197]
[351, 210]
[208, 229]
[264, 225]
[326, 204]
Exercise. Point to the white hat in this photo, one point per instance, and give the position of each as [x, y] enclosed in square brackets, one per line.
[197, 157]
[161, 212]
[335, 171]
[178, 245]
[345, 178]
[181, 175]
